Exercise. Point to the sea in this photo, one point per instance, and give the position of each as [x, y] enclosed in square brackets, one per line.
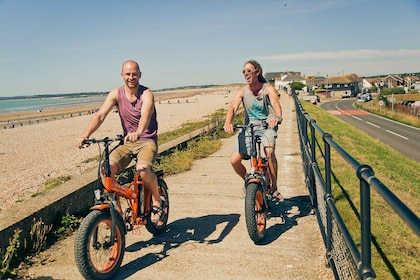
[45, 103]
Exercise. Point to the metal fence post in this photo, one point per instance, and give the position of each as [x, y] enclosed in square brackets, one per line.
[328, 193]
[365, 268]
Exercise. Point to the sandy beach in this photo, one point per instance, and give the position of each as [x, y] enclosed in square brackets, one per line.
[35, 117]
[33, 153]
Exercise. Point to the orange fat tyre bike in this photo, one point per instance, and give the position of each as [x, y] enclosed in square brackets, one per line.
[100, 240]
[257, 185]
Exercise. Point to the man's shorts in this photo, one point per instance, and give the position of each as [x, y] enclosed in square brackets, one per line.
[243, 142]
[146, 152]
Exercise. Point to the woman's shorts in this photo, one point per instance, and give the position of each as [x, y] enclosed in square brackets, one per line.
[146, 152]
[243, 142]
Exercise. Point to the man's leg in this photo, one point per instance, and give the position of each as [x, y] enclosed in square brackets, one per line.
[273, 167]
[146, 153]
[116, 187]
[236, 161]
[272, 163]
[150, 182]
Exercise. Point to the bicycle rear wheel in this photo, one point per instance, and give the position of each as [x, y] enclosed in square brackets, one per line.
[96, 256]
[150, 226]
[255, 212]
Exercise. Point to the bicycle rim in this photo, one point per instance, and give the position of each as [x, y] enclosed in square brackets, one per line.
[102, 258]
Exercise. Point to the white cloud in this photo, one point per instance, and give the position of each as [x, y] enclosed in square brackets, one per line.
[363, 54]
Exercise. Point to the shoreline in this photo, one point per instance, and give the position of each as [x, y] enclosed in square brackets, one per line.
[23, 118]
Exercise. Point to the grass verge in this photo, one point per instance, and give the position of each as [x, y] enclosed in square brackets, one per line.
[396, 249]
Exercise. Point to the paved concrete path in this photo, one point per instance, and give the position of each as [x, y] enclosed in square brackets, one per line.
[207, 236]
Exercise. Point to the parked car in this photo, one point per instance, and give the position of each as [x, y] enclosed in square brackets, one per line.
[415, 104]
[407, 102]
[365, 97]
[314, 99]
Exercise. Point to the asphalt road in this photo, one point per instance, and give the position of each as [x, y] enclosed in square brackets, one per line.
[401, 137]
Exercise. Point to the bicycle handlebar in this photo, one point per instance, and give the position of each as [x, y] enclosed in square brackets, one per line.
[104, 140]
[264, 124]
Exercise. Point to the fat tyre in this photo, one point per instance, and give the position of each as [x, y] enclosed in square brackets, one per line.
[255, 212]
[150, 226]
[98, 259]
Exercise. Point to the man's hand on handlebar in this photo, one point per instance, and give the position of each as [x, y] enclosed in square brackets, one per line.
[229, 128]
[85, 142]
[131, 137]
[80, 144]
[273, 122]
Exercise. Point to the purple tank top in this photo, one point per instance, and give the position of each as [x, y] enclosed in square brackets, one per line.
[130, 114]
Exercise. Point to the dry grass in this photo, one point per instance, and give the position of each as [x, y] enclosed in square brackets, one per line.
[374, 108]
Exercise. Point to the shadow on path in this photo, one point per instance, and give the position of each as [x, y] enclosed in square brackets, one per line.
[201, 229]
[181, 231]
[290, 211]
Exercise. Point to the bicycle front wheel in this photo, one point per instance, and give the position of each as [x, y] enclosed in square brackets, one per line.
[255, 212]
[96, 256]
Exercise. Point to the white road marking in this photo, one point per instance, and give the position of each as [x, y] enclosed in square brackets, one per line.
[396, 134]
[372, 124]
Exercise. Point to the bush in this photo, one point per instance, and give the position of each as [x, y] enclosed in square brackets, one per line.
[389, 91]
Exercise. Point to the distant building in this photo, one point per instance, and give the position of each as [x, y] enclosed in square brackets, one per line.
[284, 81]
[367, 83]
[314, 82]
[281, 80]
[270, 77]
[341, 85]
[394, 81]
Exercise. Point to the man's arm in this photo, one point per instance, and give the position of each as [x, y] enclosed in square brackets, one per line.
[234, 105]
[98, 118]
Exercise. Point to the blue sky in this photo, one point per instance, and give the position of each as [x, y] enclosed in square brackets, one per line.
[52, 46]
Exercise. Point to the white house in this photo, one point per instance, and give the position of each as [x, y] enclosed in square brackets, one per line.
[284, 80]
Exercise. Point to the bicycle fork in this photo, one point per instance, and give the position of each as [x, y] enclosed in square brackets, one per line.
[102, 203]
[258, 178]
